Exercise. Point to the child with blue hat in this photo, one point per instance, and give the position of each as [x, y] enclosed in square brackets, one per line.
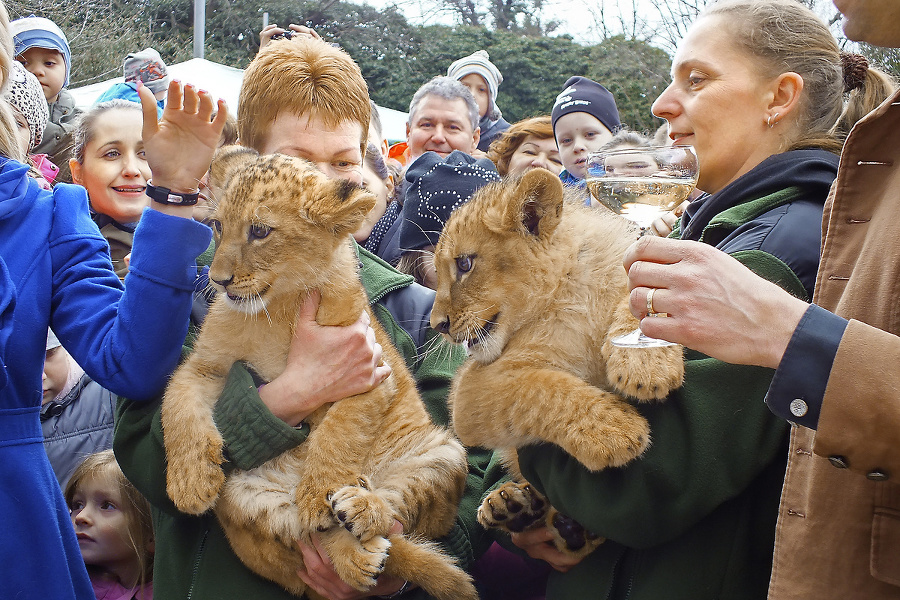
[42, 47]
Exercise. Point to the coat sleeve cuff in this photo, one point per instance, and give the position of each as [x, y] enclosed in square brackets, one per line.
[456, 542]
[252, 434]
[162, 240]
[798, 387]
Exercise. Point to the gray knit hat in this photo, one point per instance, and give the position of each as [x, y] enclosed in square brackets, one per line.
[479, 62]
[148, 67]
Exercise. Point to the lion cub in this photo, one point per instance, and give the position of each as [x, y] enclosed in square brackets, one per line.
[282, 230]
[533, 284]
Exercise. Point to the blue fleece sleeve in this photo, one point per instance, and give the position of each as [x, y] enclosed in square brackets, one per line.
[129, 342]
[797, 390]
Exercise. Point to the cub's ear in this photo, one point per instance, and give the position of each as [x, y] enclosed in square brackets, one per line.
[226, 163]
[341, 206]
[536, 204]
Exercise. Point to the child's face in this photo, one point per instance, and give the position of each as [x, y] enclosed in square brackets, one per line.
[97, 511]
[49, 66]
[577, 135]
[115, 169]
[56, 372]
[479, 88]
[23, 131]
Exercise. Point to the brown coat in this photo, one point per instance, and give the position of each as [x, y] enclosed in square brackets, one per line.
[838, 530]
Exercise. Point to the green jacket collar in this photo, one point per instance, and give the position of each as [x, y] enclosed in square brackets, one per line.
[378, 277]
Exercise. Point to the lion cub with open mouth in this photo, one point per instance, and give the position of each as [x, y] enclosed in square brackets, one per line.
[533, 284]
[282, 230]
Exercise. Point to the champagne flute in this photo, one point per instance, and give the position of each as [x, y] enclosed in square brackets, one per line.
[641, 184]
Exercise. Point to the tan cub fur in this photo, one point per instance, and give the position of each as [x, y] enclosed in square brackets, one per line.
[283, 229]
[534, 285]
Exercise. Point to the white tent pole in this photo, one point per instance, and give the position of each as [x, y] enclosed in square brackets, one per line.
[199, 27]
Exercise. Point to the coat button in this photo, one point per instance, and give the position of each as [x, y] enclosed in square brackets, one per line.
[839, 462]
[799, 407]
[877, 476]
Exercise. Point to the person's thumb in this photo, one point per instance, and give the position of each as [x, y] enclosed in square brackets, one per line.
[310, 307]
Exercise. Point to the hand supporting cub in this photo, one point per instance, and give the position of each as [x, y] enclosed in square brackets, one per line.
[539, 544]
[325, 364]
[319, 573]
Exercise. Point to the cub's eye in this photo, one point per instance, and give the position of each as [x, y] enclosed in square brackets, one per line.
[258, 232]
[464, 263]
[217, 226]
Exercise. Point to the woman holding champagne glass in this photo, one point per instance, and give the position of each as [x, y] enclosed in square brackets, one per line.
[757, 89]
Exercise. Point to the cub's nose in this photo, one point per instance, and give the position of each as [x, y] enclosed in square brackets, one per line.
[224, 282]
[443, 326]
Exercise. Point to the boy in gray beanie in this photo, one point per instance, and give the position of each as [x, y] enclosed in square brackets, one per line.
[483, 79]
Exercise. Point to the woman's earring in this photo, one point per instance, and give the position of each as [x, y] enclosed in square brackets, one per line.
[772, 120]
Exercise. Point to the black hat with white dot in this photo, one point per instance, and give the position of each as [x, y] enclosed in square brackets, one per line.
[436, 187]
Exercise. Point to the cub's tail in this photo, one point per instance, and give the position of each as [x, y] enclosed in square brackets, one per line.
[424, 563]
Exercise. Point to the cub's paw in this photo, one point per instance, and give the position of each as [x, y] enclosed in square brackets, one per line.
[361, 511]
[512, 507]
[194, 478]
[645, 373]
[569, 536]
[314, 508]
[360, 563]
[614, 434]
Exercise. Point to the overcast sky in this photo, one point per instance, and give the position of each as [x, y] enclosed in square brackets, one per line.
[577, 15]
[582, 19]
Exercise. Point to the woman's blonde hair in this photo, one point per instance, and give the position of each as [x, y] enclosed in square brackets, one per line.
[503, 148]
[785, 36]
[9, 144]
[136, 508]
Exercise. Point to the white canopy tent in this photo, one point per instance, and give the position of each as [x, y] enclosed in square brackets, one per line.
[225, 82]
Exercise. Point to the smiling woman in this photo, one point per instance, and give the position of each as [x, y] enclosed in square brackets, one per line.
[526, 145]
[758, 89]
[110, 163]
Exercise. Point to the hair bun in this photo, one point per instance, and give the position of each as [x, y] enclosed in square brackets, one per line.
[855, 67]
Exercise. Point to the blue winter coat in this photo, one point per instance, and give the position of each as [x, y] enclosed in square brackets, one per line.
[55, 270]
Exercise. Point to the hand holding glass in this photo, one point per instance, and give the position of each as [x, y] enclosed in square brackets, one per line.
[642, 184]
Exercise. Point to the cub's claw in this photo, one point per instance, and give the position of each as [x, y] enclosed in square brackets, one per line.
[360, 563]
[360, 511]
[516, 507]
[649, 374]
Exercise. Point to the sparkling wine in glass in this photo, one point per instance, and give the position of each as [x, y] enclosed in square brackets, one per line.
[641, 184]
